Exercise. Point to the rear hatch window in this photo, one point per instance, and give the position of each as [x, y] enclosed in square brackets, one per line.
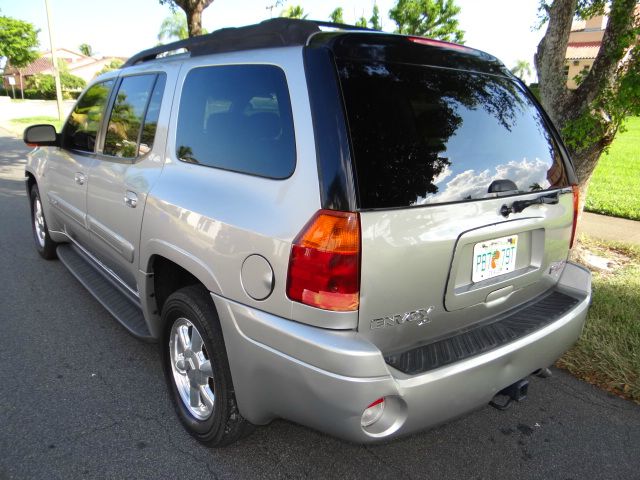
[430, 135]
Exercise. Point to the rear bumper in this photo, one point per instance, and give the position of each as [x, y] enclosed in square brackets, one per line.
[324, 379]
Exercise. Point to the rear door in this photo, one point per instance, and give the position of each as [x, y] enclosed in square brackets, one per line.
[442, 156]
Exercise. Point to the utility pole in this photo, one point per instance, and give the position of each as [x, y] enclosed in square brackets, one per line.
[54, 61]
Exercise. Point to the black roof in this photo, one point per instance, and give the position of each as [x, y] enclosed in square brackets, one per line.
[346, 42]
[277, 32]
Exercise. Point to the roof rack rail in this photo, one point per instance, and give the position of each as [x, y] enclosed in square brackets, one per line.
[341, 26]
[276, 32]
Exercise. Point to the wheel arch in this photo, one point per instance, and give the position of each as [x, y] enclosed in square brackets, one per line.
[167, 269]
[30, 180]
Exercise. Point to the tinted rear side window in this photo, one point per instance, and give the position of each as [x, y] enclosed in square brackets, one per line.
[237, 118]
[423, 135]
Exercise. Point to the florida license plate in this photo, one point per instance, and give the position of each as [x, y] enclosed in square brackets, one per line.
[492, 258]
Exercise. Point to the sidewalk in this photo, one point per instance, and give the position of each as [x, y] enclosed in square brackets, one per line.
[29, 108]
[610, 228]
[32, 108]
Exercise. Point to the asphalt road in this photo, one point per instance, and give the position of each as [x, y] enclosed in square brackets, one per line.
[80, 398]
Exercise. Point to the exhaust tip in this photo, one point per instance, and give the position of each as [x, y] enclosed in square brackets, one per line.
[515, 392]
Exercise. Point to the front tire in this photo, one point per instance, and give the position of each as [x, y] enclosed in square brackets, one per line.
[44, 245]
[197, 371]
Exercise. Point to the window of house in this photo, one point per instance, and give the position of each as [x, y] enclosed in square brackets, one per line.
[238, 118]
[82, 127]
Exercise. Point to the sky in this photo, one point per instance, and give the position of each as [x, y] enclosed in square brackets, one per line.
[124, 27]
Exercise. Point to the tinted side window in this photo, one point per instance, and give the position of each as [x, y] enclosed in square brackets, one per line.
[151, 118]
[237, 118]
[424, 135]
[84, 122]
[127, 114]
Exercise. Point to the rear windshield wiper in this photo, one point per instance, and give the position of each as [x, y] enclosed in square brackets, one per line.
[520, 205]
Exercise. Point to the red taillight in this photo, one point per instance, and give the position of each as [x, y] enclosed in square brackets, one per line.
[439, 43]
[324, 267]
[576, 207]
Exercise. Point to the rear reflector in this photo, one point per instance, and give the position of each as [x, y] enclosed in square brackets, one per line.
[324, 267]
[576, 207]
[372, 413]
[439, 43]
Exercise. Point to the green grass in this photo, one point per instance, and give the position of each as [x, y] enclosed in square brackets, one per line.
[615, 185]
[608, 352]
[26, 121]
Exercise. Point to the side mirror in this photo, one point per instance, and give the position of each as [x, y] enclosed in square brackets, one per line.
[40, 136]
[499, 186]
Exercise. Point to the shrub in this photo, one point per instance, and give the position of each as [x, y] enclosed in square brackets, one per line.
[43, 86]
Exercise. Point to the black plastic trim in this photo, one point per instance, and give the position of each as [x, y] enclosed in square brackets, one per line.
[337, 181]
[562, 148]
[122, 305]
[387, 47]
[277, 32]
[504, 329]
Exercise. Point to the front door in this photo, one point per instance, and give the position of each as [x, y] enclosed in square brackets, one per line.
[125, 168]
[68, 169]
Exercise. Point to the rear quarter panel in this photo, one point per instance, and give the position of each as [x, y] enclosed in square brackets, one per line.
[209, 220]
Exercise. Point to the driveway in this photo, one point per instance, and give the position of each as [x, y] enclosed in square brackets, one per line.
[80, 398]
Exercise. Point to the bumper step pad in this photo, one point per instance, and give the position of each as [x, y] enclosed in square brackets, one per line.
[120, 303]
[482, 338]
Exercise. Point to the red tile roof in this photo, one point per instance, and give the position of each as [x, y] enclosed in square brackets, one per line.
[582, 50]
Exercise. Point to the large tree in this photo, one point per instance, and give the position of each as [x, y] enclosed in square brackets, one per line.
[193, 9]
[590, 116]
[428, 18]
[18, 42]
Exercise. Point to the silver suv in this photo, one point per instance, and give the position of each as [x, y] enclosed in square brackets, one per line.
[361, 232]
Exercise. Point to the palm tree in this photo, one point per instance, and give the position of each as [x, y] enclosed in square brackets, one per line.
[174, 27]
[522, 69]
[86, 49]
[294, 11]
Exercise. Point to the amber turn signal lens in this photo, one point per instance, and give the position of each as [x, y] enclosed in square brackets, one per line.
[324, 267]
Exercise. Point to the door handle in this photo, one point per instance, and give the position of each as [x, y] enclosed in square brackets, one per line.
[130, 199]
[80, 178]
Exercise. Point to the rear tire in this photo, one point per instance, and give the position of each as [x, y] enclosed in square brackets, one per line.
[44, 245]
[196, 369]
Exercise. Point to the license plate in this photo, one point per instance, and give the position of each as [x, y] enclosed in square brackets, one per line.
[494, 257]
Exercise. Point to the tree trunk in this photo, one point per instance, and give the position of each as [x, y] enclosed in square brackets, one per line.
[194, 21]
[193, 9]
[550, 57]
[585, 163]
[596, 117]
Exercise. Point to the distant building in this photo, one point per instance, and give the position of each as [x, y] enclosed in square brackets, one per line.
[77, 64]
[584, 44]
